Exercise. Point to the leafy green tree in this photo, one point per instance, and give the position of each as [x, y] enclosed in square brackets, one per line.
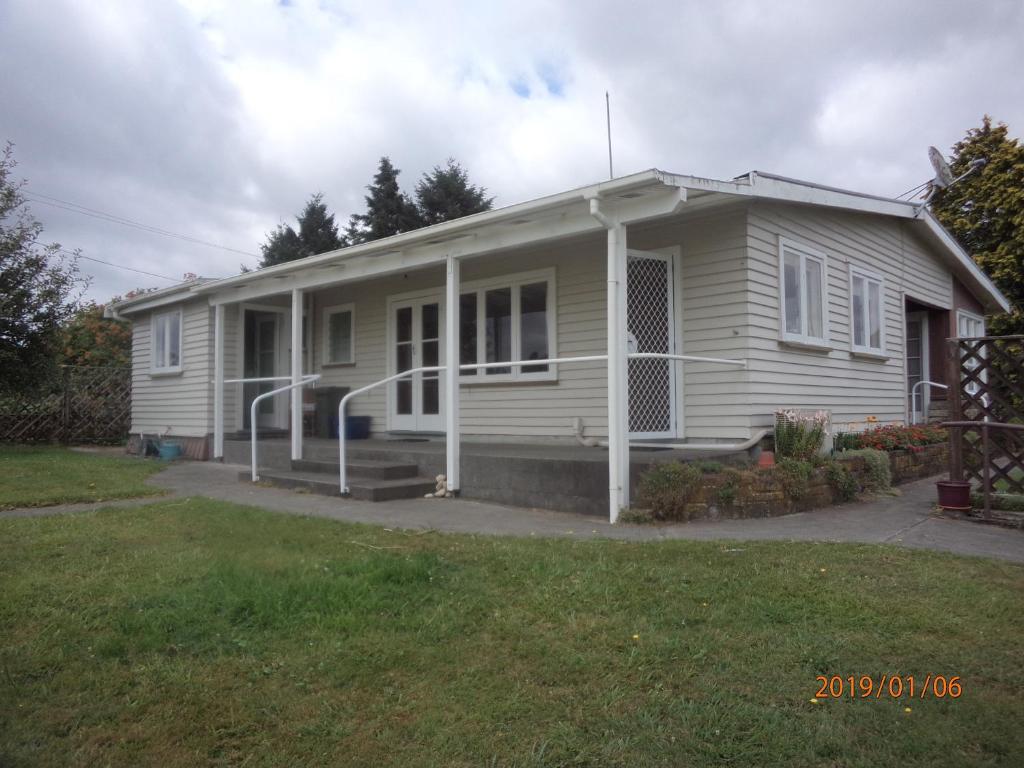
[985, 212]
[445, 193]
[389, 211]
[89, 338]
[317, 233]
[40, 289]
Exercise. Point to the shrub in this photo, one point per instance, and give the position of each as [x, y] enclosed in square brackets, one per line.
[730, 488]
[666, 488]
[879, 474]
[708, 466]
[843, 481]
[896, 437]
[795, 476]
[799, 436]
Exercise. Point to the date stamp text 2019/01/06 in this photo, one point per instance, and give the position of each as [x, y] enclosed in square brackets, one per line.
[888, 687]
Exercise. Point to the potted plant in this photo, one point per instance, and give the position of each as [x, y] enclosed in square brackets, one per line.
[954, 494]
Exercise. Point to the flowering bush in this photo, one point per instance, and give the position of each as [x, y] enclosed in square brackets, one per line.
[799, 435]
[895, 437]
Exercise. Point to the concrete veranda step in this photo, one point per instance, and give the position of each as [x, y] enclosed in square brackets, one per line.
[363, 488]
[360, 468]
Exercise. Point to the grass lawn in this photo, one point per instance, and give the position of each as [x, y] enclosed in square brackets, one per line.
[33, 476]
[193, 632]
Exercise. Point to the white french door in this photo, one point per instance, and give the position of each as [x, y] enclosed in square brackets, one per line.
[650, 323]
[414, 403]
[261, 356]
[917, 363]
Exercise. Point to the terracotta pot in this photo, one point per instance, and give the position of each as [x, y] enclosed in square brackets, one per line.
[766, 459]
[954, 494]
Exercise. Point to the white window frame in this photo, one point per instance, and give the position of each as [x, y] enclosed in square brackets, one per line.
[963, 314]
[162, 366]
[868, 277]
[336, 310]
[802, 338]
[514, 282]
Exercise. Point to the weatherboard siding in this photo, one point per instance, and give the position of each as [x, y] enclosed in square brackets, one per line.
[177, 404]
[853, 388]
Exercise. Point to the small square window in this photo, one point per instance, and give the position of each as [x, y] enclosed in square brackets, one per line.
[339, 335]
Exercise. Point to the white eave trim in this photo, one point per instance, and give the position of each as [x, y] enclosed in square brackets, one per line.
[964, 259]
[441, 234]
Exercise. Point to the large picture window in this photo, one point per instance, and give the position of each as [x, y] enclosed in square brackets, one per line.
[867, 312]
[512, 318]
[339, 335]
[166, 342]
[802, 289]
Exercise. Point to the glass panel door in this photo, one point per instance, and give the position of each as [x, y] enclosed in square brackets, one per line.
[416, 400]
[262, 330]
[917, 362]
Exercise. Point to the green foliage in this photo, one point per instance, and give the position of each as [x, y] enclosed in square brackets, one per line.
[389, 211]
[40, 290]
[666, 489]
[795, 476]
[843, 481]
[89, 338]
[708, 466]
[798, 436]
[1007, 502]
[985, 210]
[318, 233]
[445, 193]
[730, 488]
[879, 472]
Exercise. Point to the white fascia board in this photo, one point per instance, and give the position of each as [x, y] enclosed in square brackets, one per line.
[963, 259]
[449, 229]
[567, 217]
[177, 295]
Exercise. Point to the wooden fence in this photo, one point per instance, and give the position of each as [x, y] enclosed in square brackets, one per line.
[987, 413]
[85, 404]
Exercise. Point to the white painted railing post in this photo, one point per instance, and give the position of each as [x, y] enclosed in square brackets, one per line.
[218, 381]
[296, 393]
[452, 374]
[618, 461]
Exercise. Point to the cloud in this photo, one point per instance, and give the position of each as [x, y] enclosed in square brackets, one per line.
[218, 119]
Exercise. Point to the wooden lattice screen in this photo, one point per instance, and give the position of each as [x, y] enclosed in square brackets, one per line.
[988, 410]
[86, 404]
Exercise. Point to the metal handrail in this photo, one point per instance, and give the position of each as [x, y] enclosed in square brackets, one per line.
[311, 378]
[342, 470]
[913, 397]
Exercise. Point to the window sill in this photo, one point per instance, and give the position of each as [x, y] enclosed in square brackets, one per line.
[868, 354]
[506, 379]
[165, 372]
[810, 346]
[350, 364]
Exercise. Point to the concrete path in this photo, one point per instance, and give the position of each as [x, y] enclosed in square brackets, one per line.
[906, 520]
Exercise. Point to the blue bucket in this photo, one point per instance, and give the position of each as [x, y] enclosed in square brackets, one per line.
[170, 451]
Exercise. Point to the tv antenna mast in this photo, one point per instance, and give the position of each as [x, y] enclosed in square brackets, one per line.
[608, 116]
[943, 178]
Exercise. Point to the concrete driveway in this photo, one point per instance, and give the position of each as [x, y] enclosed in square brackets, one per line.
[905, 520]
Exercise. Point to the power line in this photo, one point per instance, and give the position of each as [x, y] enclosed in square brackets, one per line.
[95, 213]
[108, 263]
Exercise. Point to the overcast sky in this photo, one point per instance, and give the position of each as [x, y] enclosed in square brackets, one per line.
[216, 120]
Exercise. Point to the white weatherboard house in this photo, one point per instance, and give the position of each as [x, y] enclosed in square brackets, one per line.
[798, 295]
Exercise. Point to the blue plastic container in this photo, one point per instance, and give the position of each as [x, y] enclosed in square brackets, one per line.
[170, 451]
[357, 427]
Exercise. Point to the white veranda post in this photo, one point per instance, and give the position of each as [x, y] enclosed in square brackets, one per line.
[618, 447]
[451, 402]
[218, 381]
[296, 393]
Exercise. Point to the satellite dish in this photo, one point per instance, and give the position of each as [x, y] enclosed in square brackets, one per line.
[943, 175]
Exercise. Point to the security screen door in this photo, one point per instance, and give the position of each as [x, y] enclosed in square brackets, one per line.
[416, 343]
[651, 328]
